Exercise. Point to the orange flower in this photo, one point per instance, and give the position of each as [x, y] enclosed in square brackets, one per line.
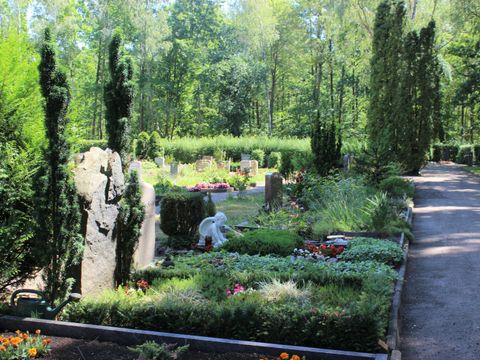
[3, 348]
[46, 342]
[284, 356]
[25, 337]
[32, 352]
[38, 332]
[15, 341]
[295, 357]
[18, 332]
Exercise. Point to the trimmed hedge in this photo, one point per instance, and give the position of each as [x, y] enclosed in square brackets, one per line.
[181, 213]
[465, 155]
[264, 242]
[81, 146]
[445, 152]
[188, 150]
[356, 329]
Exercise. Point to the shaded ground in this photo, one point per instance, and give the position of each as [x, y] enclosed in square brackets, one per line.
[75, 349]
[440, 317]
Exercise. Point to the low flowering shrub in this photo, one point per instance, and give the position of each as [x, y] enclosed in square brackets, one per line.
[23, 346]
[237, 289]
[316, 253]
[286, 356]
[143, 285]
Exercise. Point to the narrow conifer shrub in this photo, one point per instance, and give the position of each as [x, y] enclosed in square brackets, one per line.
[58, 239]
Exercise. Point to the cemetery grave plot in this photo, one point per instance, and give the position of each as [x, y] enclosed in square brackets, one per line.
[342, 293]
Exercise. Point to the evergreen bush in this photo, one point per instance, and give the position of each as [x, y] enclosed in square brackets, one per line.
[119, 98]
[259, 155]
[465, 155]
[326, 147]
[155, 148]
[143, 141]
[180, 215]
[264, 242]
[129, 222]
[210, 207]
[58, 217]
[275, 160]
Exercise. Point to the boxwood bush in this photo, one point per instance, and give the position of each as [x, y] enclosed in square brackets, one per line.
[180, 215]
[264, 242]
[397, 187]
[363, 249]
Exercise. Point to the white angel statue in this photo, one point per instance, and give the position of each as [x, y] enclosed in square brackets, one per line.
[212, 227]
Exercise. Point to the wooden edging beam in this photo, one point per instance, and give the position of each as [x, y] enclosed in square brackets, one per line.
[130, 337]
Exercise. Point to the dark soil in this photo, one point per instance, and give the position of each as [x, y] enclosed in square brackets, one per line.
[75, 349]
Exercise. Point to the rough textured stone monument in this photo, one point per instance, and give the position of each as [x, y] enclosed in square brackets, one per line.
[173, 169]
[273, 190]
[100, 184]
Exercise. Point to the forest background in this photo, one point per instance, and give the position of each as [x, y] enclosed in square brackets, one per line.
[239, 67]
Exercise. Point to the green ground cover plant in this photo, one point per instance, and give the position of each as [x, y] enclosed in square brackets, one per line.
[335, 305]
[363, 249]
[264, 242]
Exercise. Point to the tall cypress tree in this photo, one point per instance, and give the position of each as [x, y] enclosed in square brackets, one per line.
[119, 98]
[326, 147]
[119, 103]
[58, 238]
[419, 97]
[382, 126]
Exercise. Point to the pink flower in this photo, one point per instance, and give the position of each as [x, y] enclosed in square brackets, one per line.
[228, 293]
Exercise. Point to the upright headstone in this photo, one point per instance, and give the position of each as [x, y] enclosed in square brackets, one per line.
[245, 157]
[100, 184]
[208, 158]
[173, 169]
[145, 251]
[202, 165]
[223, 165]
[254, 167]
[160, 161]
[249, 165]
[346, 162]
[245, 165]
[273, 190]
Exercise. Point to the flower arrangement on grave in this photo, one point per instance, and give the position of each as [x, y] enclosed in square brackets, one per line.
[286, 356]
[316, 253]
[24, 345]
[208, 186]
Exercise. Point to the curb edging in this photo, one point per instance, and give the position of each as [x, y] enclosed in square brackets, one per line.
[130, 337]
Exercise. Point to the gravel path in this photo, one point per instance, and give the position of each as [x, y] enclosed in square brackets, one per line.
[440, 317]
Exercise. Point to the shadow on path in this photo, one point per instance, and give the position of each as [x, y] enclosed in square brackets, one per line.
[440, 316]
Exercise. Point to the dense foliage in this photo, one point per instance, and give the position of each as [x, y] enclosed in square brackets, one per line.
[16, 221]
[272, 300]
[58, 216]
[129, 221]
[264, 242]
[181, 213]
[405, 90]
[363, 249]
[119, 98]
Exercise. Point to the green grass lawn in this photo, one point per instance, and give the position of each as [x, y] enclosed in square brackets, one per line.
[187, 176]
[473, 169]
[241, 209]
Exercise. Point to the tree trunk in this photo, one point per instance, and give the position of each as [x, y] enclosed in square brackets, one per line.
[341, 95]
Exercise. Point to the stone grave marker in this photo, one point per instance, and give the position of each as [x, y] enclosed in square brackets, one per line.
[173, 169]
[254, 167]
[273, 190]
[250, 165]
[208, 158]
[223, 165]
[202, 165]
[100, 184]
[145, 251]
[160, 161]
